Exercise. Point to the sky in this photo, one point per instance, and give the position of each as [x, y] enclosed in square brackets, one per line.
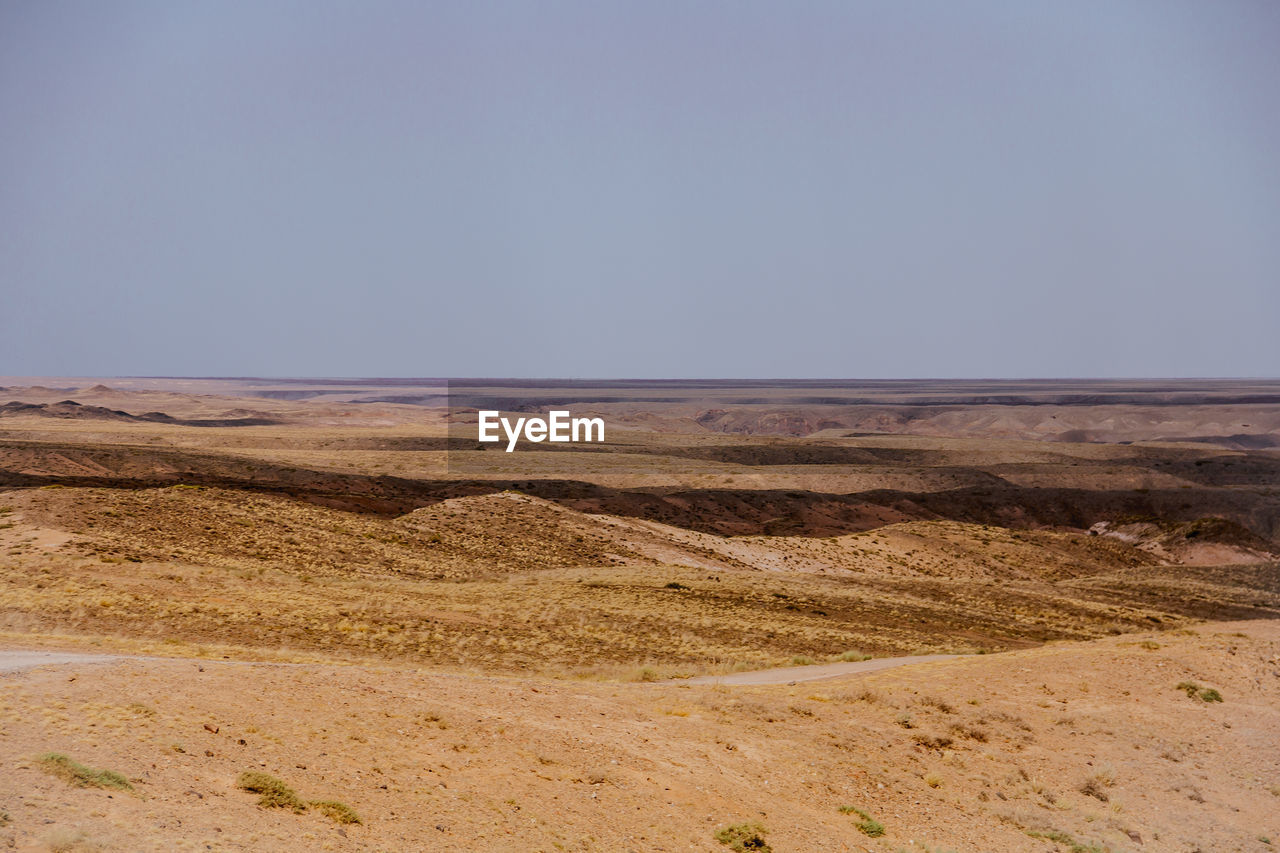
[640, 189]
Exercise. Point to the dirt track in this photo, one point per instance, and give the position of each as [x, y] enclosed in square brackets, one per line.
[17, 660]
[795, 674]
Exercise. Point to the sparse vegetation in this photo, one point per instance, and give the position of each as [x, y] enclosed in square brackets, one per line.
[1096, 785]
[66, 839]
[646, 673]
[935, 702]
[272, 793]
[868, 825]
[59, 765]
[744, 838]
[970, 731]
[1067, 840]
[1195, 691]
[336, 811]
[932, 741]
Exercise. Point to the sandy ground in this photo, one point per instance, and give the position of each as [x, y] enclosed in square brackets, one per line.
[1094, 742]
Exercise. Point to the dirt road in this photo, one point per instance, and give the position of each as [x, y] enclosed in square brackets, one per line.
[15, 661]
[788, 674]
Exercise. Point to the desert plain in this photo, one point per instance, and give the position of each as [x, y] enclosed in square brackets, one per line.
[288, 614]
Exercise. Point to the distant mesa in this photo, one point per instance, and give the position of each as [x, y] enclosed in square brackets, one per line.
[67, 409]
[71, 410]
[100, 389]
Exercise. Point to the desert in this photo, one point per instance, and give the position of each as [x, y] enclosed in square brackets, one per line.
[932, 615]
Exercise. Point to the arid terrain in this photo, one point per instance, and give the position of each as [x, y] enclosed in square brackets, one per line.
[333, 583]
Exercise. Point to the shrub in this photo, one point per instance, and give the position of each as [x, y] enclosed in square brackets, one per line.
[77, 774]
[930, 741]
[941, 704]
[1094, 787]
[273, 794]
[868, 826]
[970, 731]
[1195, 691]
[336, 811]
[743, 837]
[1064, 838]
[871, 827]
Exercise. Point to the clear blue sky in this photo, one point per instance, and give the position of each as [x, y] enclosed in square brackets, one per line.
[656, 189]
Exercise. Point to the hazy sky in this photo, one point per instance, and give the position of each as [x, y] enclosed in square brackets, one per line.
[661, 189]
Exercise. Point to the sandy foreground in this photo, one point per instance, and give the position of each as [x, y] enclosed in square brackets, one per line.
[1075, 745]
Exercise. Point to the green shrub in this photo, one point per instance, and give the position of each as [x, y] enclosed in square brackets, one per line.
[868, 826]
[336, 811]
[1195, 691]
[273, 794]
[743, 837]
[871, 827]
[77, 774]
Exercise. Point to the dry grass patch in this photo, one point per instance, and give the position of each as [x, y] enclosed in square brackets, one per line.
[1097, 784]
